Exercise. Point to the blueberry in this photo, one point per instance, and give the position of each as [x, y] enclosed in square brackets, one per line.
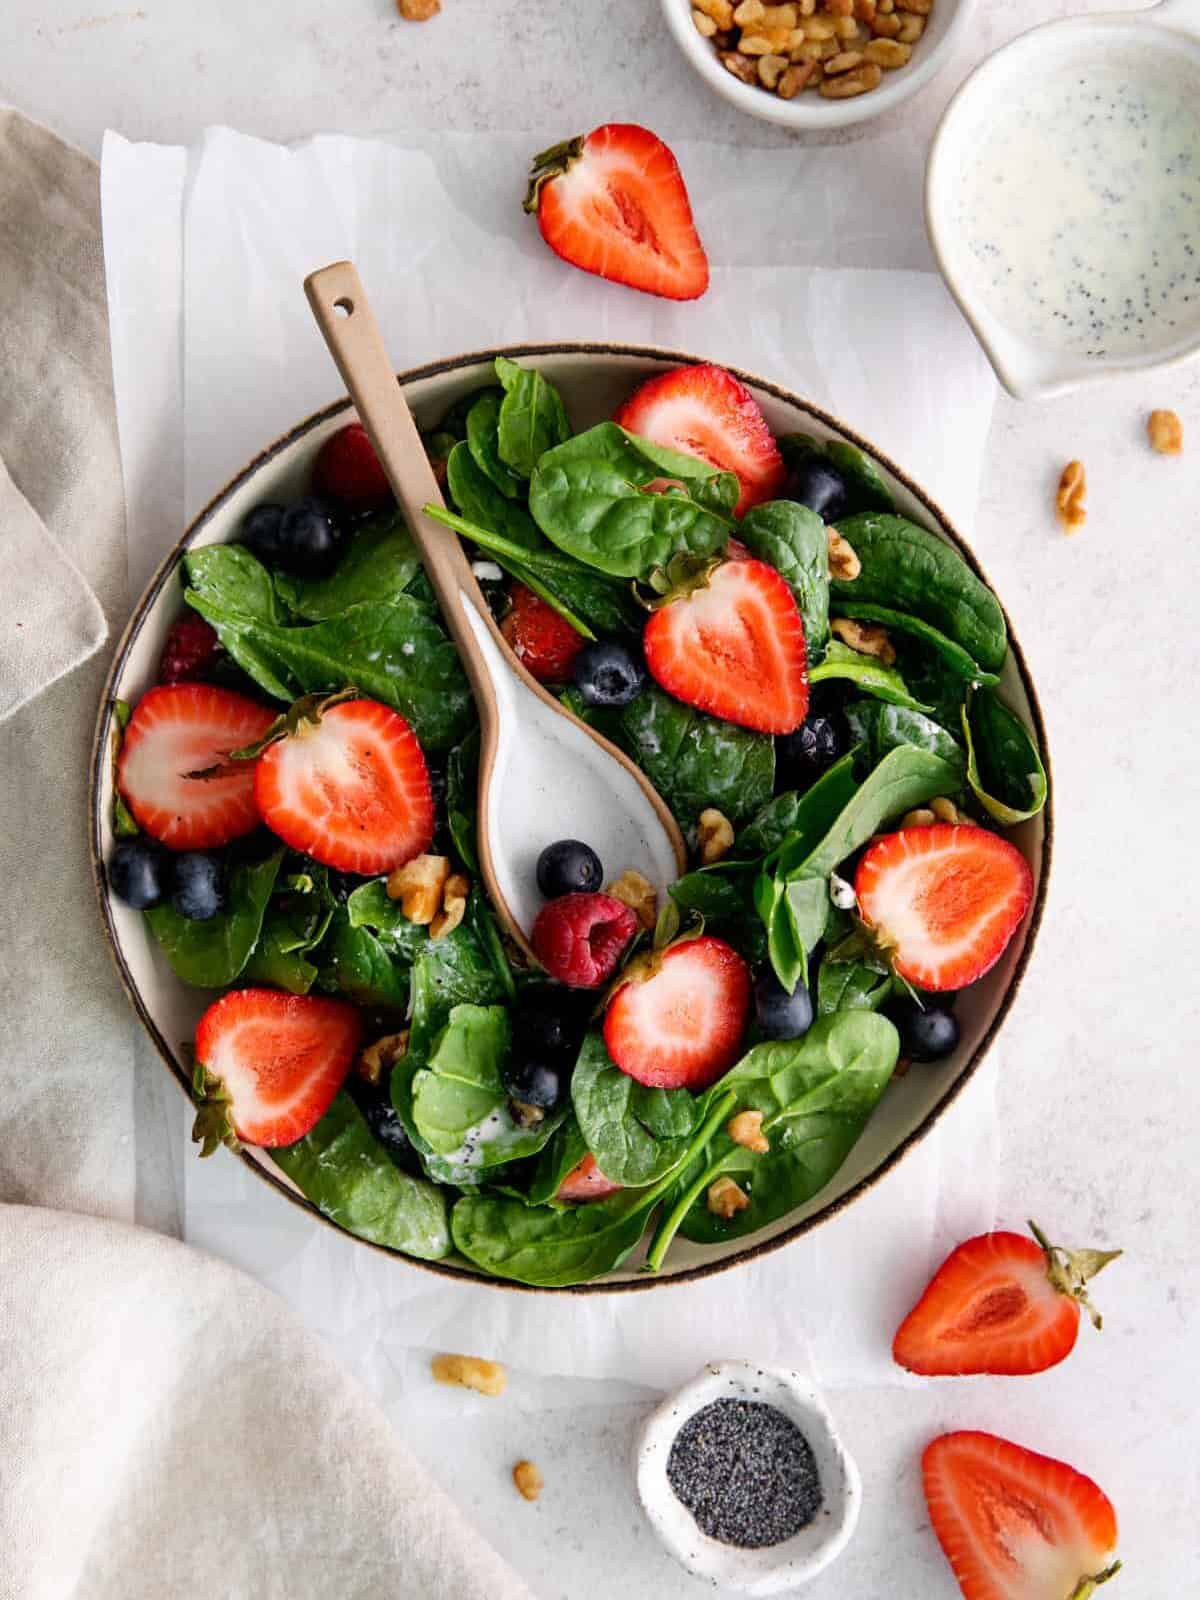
[782, 1015]
[384, 1122]
[568, 867]
[549, 1024]
[607, 673]
[803, 755]
[309, 542]
[925, 1035]
[197, 892]
[260, 533]
[135, 873]
[532, 1083]
[819, 486]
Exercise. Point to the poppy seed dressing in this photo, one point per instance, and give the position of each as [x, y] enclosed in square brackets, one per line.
[745, 1472]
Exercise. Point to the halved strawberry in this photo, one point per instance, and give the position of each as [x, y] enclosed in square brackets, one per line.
[349, 787]
[1016, 1525]
[586, 1182]
[945, 899]
[734, 647]
[679, 1024]
[614, 203]
[704, 411]
[1000, 1303]
[545, 643]
[268, 1065]
[183, 728]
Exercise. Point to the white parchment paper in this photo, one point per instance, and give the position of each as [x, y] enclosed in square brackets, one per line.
[215, 354]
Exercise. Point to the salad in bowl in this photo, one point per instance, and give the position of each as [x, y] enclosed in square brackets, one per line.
[773, 625]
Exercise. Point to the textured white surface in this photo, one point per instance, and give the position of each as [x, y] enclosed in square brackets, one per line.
[1097, 1087]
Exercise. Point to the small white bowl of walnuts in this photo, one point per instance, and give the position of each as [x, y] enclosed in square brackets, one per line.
[816, 63]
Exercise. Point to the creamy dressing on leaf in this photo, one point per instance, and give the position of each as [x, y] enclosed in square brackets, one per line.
[1080, 209]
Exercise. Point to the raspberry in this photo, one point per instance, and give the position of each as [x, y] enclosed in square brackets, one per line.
[191, 645]
[544, 643]
[579, 938]
[348, 470]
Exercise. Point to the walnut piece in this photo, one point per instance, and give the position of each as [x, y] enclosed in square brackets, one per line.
[470, 1372]
[794, 79]
[861, 81]
[1071, 500]
[454, 906]
[746, 1129]
[418, 10]
[528, 1479]
[714, 836]
[638, 893]
[1166, 432]
[725, 1199]
[868, 638]
[888, 53]
[719, 10]
[418, 886]
[843, 562]
[704, 24]
[771, 69]
[844, 61]
[922, 817]
[945, 810]
[384, 1053]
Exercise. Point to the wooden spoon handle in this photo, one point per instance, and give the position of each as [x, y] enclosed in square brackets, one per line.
[344, 316]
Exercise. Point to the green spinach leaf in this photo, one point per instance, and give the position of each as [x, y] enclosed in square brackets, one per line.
[914, 571]
[1004, 768]
[792, 539]
[355, 963]
[952, 656]
[693, 760]
[346, 1174]
[483, 438]
[635, 1133]
[865, 484]
[480, 502]
[851, 986]
[370, 906]
[379, 563]
[297, 919]
[867, 673]
[532, 417]
[211, 954]
[801, 814]
[588, 498]
[561, 1156]
[230, 577]
[884, 727]
[462, 781]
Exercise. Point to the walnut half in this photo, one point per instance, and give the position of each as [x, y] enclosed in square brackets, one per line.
[1071, 500]
[528, 1479]
[725, 1199]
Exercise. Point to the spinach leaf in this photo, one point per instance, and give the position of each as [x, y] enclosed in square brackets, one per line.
[912, 570]
[479, 500]
[296, 921]
[346, 1174]
[395, 651]
[355, 963]
[725, 901]
[952, 656]
[211, 954]
[483, 438]
[695, 761]
[230, 577]
[587, 497]
[370, 906]
[792, 539]
[851, 986]
[562, 1155]
[795, 914]
[807, 814]
[123, 824]
[885, 727]
[816, 1095]
[454, 421]
[866, 487]
[635, 1133]
[532, 417]
[482, 920]
[555, 1246]
[868, 673]
[1004, 768]
[379, 563]
[462, 780]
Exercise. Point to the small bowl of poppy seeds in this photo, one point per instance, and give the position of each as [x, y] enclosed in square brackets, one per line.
[745, 1479]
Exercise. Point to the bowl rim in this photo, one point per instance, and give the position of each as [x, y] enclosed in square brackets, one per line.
[101, 756]
[799, 115]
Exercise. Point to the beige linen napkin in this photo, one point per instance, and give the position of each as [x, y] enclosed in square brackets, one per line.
[167, 1427]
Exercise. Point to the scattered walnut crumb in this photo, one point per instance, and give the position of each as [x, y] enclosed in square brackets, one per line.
[470, 1372]
[922, 817]
[843, 561]
[454, 906]
[528, 1479]
[725, 1199]
[378, 1057]
[1071, 500]
[714, 835]
[868, 638]
[1166, 432]
[945, 810]
[638, 893]
[418, 886]
[418, 10]
[746, 1129]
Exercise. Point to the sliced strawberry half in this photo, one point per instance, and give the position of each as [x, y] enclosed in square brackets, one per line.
[1016, 1525]
[185, 728]
[679, 1023]
[586, 1182]
[735, 648]
[269, 1064]
[545, 643]
[615, 204]
[1000, 1303]
[945, 899]
[349, 787]
[704, 411]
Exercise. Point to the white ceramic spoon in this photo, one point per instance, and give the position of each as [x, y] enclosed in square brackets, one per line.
[543, 775]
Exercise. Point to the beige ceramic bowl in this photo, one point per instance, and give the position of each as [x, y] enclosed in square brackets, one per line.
[593, 380]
